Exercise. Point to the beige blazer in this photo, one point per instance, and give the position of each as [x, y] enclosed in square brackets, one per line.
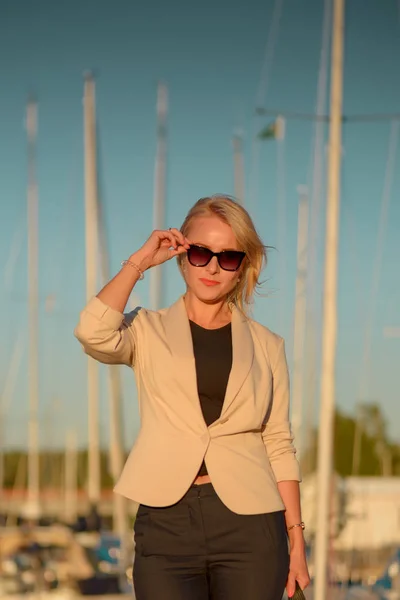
[247, 450]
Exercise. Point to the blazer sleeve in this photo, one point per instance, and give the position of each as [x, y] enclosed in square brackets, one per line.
[277, 435]
[106, 334]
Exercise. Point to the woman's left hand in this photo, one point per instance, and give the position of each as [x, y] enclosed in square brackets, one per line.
[298, 570]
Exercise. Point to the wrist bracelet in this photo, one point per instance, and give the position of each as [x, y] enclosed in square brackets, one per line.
[302, 525]
[132, 264]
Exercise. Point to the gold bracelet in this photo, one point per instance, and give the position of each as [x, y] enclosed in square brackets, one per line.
[302, 525]
[132, 264]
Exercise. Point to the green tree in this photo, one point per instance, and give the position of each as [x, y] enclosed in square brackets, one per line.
[377, 455]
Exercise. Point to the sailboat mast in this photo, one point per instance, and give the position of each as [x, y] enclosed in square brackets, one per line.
[71, 477]
[33, 312]
[116, 454]
[156, 292]
[300, 320]
[238, 166]
[116, 450]
[280, 135]
[329, 329]
[91, 225]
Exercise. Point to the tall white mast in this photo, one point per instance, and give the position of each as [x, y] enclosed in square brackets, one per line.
[329, 331]
[71, 477]
[318, 173]
[280, 133]
[116, 450]
[120, 516]
[156, 292]
[238, 166]
[33, 313]
[91, 221]
[300, 320]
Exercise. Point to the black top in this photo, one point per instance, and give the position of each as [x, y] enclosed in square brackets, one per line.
[213, 355]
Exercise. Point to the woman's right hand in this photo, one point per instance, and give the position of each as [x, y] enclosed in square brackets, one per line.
[161, 246]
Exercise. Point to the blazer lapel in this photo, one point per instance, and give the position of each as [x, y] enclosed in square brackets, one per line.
[179, 338]
[242, 357]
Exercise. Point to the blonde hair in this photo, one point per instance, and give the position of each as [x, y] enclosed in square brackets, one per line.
[232, 213]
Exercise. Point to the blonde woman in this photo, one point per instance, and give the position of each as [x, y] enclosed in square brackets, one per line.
[213, 467]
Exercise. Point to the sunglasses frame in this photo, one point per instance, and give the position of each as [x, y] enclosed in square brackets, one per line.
[218, 255]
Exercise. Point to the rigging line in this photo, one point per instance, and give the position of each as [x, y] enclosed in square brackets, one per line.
[6, 397]
[12, 373]
[52, 302]
[115, 384]
[372, 118]
[269, 53]
[262, 91]
[319, 117]
[281, 231]
[351, 236]
[104, 244]
[318, 154]
[289, 114]
[348, 220]
[15, 252]
[16, 245]
[72, 193]
[383, 220]
[316, 178]
[318, 150]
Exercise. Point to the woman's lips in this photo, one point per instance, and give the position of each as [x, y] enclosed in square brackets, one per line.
[209, 282]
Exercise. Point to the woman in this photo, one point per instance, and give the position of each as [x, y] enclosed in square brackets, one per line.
[213, 467]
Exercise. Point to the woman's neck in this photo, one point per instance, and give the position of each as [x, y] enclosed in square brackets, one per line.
[210, 316]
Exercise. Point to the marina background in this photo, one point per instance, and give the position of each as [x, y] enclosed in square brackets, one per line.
[214, 65]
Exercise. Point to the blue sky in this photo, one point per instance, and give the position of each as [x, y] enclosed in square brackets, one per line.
[211, 57]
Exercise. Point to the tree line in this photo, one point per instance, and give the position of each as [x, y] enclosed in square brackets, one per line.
[361, 447]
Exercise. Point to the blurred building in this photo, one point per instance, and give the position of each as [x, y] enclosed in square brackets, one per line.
[365, 525]
[365, 511]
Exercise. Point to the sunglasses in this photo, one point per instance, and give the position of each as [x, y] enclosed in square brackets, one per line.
[228, 260]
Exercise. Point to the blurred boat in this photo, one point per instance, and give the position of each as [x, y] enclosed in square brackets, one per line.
[112, 562]
[55, 559]
[388, 585]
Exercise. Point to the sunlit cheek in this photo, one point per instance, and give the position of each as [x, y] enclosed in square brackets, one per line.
[230, 281]
[191, 274]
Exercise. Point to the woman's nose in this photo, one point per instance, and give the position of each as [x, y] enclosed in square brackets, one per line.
[213, 266]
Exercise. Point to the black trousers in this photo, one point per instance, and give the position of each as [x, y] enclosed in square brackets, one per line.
[198, 549]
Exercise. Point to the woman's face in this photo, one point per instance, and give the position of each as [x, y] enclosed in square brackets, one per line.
[211, 283]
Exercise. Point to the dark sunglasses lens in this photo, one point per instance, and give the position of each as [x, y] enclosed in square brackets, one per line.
[230, 260]
[198, 257]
